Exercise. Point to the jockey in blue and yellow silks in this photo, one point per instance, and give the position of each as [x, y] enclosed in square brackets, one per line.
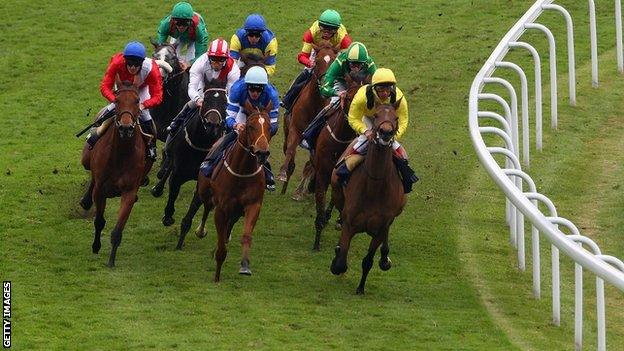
[256, 89]
[256, 39]
[382, 90]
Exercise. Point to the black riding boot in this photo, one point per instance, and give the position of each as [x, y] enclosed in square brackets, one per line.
[151, 148]
[408, 177]
[295, 89]
[268, 177]
[179, 119]
[93, 136]
[311, 133]
[216, 152]
[343, 173]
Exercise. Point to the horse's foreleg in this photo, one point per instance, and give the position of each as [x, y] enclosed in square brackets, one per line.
[87, 199]
[157, 190]
[339, 263]
[384, 262]
[367, 262]
[307, 179]
[175, 182]
[251, 216]
[287, 169]
[127, 201]
[185, 225]
[321, 217]
[223, 229]
[201, 228]
[99, 222]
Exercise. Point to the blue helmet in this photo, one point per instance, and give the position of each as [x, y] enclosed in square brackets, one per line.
[255, 22]
[256, 75]
[134, 49]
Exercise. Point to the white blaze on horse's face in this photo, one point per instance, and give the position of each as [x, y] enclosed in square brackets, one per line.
[216, 95]
[327, 58]
[261, 120]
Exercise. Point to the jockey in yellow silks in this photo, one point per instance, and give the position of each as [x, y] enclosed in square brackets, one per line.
[382, 90]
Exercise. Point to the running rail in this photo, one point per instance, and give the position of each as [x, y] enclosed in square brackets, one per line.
[522, 204]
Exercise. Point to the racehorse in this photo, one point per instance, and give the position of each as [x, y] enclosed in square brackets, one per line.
[251, 60]
[118, 165]
[190, 145]
[236, 187]
[372, 199]
[175, 86]
[308, 104]
[330, 144]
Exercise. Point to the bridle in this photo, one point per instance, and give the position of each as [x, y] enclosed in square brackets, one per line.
[248, 149]
[120, 113]
[204, 114]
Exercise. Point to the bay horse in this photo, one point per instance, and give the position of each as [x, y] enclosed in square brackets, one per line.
[191, 144]
[236, 187]
[175, 86]
[330, 144]
[372, 199]
[251, 60]
[118, 165]
[307, 105]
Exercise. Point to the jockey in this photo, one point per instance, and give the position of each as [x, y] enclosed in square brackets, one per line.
[186, 28]
[131, 65]
[255, 38]
[256, 88]
[328, 27]
[354, 60]
[382, 90]
[215, 64]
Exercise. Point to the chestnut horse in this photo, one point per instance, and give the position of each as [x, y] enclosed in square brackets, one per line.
[236, 187]
[118, 165]
[308, 104]
[191, 144]
[372, 199]
[330, 144]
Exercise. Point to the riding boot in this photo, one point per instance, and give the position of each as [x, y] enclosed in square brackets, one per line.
[408, 177]
[295, 89]
[343, 173]
[268, 177]
[167, 153]
[179, 119]
[147, 128]
[311, 133]
[93, 136]
[216, 152]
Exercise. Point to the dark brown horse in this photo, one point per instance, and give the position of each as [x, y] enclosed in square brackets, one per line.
[251, 60]
[118, 165]
[372, 199]
[331, 143]
[308, 104]
[236, 187]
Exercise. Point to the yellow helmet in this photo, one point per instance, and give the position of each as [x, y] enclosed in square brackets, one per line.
[383, 75]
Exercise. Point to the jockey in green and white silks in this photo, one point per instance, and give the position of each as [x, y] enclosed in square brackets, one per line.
[187, 29]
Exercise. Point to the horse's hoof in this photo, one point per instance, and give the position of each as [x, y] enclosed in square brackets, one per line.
[298, 197]
[316, 247]
[145, 181]
[244, 271]
[338, 225]
[96, 247]
[179, 246]
[359, 291]
[161, 173]
[156, 191]
[200, 233]
[385, 265]
[167, 221]
[282, 177]
[85, 204]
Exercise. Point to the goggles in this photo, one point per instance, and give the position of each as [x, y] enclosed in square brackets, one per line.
[217, 59]
[255, 88]
[182, 22]
[254, 34]
[134, 62]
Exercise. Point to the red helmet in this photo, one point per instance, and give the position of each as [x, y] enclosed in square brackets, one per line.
[218, 48]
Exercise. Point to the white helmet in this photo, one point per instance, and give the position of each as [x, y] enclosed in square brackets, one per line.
[256, 75]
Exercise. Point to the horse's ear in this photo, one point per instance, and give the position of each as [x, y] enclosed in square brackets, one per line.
[367, 79]
[397, 103]
[269, 107]
[348, 79]
[336, 48]
[118, 81]
[315, 47]
[248, 107]
[153, 42]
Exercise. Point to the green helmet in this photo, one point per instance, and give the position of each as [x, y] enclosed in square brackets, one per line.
[182, 10]
[330, 18]
[356, 52]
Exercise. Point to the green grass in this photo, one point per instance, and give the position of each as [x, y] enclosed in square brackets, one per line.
[453, 284]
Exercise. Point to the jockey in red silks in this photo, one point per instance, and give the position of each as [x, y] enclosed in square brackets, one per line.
[131, 65]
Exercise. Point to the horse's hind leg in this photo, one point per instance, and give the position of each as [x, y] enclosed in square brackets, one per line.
[294, 137]
[384, 262]
[367, 262]
[321, 216]
[127, 202]
[185, 225]
[99, 222]
[307, 179]
[201, 228]
[223, 231]
[251, 216]
[157, 190]
[87, 199]
[175, 182]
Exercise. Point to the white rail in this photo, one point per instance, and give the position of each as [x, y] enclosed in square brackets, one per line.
[511, 178]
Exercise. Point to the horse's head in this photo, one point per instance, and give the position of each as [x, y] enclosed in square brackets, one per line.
[252, 60]
[354, 81]
[213, 109]
[257, 131]
[325, 55]
[127, 107]
[166, 58]
[385, 123]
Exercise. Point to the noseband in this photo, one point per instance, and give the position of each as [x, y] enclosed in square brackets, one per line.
[204, 114]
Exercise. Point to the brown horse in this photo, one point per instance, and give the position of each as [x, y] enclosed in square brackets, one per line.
[236, 187]
[308, 104]
[251, 60]
[118, 165]
[331, 143]
[372, 199]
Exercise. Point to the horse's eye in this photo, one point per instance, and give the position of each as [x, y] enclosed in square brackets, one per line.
[137, 101]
